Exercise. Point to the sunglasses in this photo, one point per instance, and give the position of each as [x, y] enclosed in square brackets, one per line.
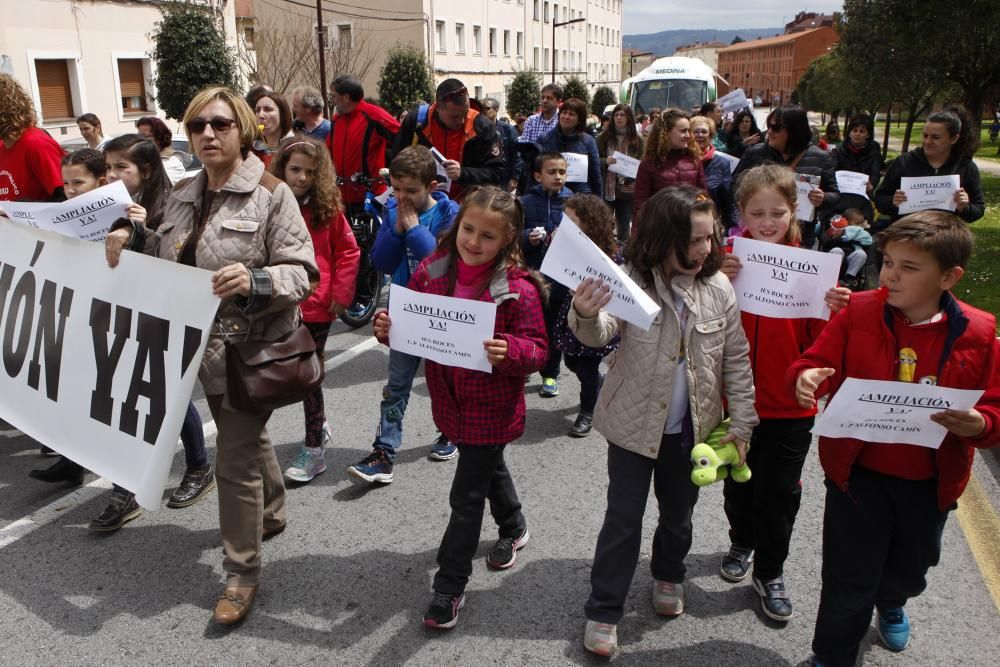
[459, 96]
[220, 124]
[775, 127]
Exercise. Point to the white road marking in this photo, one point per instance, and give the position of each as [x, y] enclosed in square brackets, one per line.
[49, 513]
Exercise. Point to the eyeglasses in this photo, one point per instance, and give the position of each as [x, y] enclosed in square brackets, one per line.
[457, 96]
[775, 127]
[220, 124]
[699, 132]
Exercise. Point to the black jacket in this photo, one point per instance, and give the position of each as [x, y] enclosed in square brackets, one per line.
[483, 154]
[914, 164]
[815, 162]
[866, 161]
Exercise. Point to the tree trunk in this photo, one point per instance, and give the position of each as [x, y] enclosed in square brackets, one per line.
[973, 101]
[888, 126]
[911, 118]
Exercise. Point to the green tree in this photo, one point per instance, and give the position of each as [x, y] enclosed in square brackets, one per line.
[603, 96]
[405, 79]
[736, 40]
[576, 87]
[525, 92]
[190, 53]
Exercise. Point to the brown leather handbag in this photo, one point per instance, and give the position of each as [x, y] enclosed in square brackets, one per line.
[266, 375]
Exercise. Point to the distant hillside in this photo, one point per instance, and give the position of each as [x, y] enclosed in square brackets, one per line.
[666, 42]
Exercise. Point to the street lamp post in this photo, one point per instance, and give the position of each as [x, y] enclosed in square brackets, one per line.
[633, 56]
[559, 24]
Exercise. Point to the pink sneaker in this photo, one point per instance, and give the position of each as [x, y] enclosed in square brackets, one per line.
[668, 598]
[601, 638]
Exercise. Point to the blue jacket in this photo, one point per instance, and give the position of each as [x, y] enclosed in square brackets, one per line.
[400, 255]
[719, 183]
[512, 159]
[581, 142]
[541, 210]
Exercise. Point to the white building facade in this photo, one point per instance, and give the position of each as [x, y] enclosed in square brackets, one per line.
[86, 57]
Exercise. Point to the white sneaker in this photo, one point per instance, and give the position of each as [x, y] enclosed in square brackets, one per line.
[601, 638]
[310, 462]
[668, 598]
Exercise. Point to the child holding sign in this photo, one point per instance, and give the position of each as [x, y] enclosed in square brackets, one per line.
[306, 167]
[762, 511]
[479, 258]
[887, 504]
[663, 393]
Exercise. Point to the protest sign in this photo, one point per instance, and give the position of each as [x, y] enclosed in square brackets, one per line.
[572, 256]
[731, 159]
[733, 101]
[929, 192]
[444, 329]
[99, 363]
[624, 165]
[781, 281]
[804, 184]
[87, 217]
[576, 167]
[894, 412]
[852, 182]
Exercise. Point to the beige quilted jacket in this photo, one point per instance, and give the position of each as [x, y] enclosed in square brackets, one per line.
[248, 224]
[635, 399]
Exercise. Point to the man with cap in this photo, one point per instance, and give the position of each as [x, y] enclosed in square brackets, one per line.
[473, 151]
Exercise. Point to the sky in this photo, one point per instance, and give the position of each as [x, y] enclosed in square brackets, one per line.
[645, 16]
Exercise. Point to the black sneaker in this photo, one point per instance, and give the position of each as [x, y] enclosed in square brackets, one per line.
[736, 563]
[62, 470]
[581, 427]
[504, 552]
[193, 487]
[376, 467]
[119, 511]
[443, 612]
[773, 598]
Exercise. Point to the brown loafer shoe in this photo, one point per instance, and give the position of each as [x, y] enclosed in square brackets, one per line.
[273, 532]
[234, 604]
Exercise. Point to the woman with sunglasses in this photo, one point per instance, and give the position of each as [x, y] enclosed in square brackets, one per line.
[789, 142]
[244, 225]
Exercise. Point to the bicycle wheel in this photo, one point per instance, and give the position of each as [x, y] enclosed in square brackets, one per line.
[366, 301]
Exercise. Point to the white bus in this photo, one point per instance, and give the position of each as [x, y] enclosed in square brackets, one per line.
[683, 83]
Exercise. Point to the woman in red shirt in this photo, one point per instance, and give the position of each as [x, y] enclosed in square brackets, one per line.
[30, 160]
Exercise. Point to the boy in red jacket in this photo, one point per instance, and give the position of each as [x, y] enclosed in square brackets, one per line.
[887, 504]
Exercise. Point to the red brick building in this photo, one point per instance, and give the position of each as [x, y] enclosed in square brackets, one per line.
[771, 67]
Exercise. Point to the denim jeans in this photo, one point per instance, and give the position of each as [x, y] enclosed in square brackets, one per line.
[395, 395]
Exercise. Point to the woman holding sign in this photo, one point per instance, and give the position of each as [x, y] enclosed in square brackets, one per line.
[244, 226]
[570, 137]
[861, 154]
[620, 137]
[663, 393]
[947, 149]
[789, 143]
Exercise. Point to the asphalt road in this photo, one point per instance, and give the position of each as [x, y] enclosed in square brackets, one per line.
[348, 582]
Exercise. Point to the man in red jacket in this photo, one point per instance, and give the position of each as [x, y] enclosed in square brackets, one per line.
[887, 504]
[360, 136]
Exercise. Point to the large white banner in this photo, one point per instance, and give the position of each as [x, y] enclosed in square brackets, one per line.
[87, 217]
[781, 281]
[572, 256]
[891, 412]
[99, 363]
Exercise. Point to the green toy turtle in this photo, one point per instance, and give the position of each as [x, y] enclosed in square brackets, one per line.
[713, 461]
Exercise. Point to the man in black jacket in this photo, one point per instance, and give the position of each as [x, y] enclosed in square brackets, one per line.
[472, 149]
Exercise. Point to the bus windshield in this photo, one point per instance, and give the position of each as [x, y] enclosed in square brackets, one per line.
[669, 93]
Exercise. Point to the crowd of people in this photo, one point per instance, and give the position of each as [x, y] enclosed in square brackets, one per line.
[476, 204]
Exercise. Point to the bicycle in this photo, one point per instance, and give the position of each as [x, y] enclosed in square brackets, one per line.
[365, 226]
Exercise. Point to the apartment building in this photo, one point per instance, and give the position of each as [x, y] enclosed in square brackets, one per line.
[770, 68]
[706, 52]
[482, 42]
[86, 57]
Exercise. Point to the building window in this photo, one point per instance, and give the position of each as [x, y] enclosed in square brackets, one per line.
[132, 81]
[545, 15]
[534, 59]
[545, 57]
[520, 44]
[555, 13]
[506, 42]
[565, 60]
[439, 29]
[54, 90]
[345, 36]
[459, 38]
[536, 11]
[478, 92]
[493, 41]
[477, 39]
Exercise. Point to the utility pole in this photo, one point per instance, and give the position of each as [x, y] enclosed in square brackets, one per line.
[558, 24]
[321, 43]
